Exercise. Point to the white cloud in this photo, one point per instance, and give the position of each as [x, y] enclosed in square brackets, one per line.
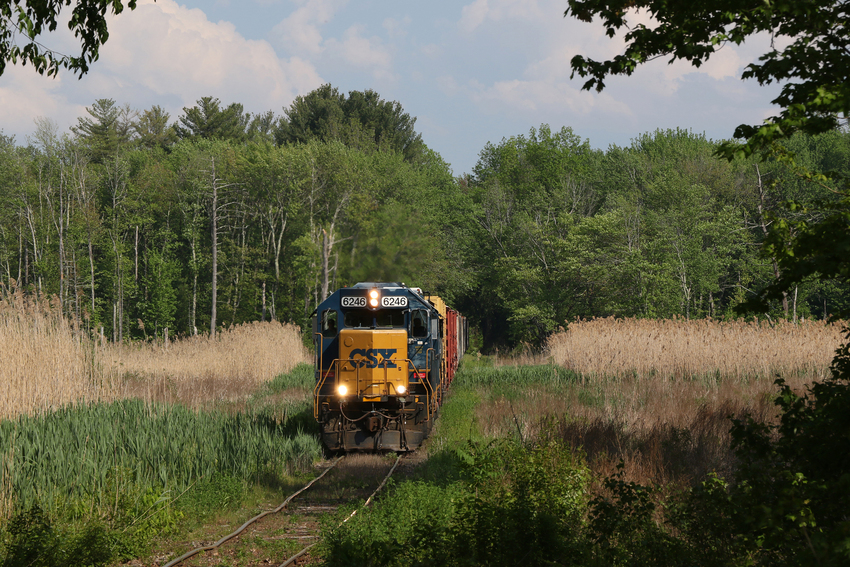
[432, 50]
[472, 71]
[447, 84]
[161, 53]
[547, 42]
[542, 98]
[299, 33]
[172, 50]
[475, 14]
[397, 28]
[369, 54]
[26, 95]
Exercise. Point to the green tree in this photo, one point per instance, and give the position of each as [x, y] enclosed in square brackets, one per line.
[362, 120]
[12, 223]
[108, 129]
[681, 232]
[262, 127]
[814, 67]
[275, 179]
[393, 233]
[317, 115]
[35, 17]
[530, 194]
[208, 121]
[211, 182]
[119, 276]
[162, 271]
[788, 504]
[153, 130]
[384, 122]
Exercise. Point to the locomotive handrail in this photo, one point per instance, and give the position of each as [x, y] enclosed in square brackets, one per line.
[318, 387]
[321, 348]
[428, 397]
[427, 376]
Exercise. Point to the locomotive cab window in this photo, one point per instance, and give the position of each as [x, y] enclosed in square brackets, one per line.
[390, 318]
[358, 319]
[329, 323]
[364, 319]
[418, 324]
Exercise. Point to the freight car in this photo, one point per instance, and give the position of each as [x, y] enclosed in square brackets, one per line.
[385, 354]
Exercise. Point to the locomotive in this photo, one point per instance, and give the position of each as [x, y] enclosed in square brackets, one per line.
[385, 354]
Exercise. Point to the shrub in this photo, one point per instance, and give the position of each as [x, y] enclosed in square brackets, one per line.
[788, 501]
[513, 505]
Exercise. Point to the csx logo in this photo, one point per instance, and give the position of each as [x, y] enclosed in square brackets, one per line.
[373, 357]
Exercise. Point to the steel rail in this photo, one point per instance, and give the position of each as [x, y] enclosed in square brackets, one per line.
[365, 504]
[242, 528]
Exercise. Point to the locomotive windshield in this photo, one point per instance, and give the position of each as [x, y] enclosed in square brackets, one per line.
[390, 318]
[362, 318]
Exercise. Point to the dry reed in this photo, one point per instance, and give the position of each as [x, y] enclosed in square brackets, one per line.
[200, 370]
[659, 394]
[45, 362]
[678, 348]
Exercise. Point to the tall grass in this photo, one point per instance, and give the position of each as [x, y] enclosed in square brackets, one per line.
[73, 446]
[45, 361]
[658, 394]
[198, 370]
[676, 434]
[87, 458]
[678, 348]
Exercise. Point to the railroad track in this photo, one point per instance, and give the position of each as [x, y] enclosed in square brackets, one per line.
[301, 524]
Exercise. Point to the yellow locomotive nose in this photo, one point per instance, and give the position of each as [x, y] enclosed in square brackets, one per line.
[373, 363]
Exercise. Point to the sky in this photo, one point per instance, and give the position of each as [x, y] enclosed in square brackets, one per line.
[469, 71]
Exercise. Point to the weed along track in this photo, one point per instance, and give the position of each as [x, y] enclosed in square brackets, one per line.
[285, 534]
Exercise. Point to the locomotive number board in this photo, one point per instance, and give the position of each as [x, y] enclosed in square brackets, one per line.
[394, 301]
[351, 301]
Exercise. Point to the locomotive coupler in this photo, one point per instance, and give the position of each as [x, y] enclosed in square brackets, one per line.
[373, 423]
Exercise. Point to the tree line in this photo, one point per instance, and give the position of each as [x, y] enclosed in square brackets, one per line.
[660, 228]
[139, 224]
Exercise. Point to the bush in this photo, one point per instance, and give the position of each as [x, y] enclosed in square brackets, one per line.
[624, 528]
[32, 540]
[512, 505]
[789, 499]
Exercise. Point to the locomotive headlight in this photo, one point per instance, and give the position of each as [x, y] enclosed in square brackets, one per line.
[373, 298]
[342, 389]
[400, 389]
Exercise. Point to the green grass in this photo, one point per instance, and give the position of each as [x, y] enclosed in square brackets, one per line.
[478, 380]
[495, 376]
[81, 456]
[300, 377]
[130, 471]
[503, 504]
